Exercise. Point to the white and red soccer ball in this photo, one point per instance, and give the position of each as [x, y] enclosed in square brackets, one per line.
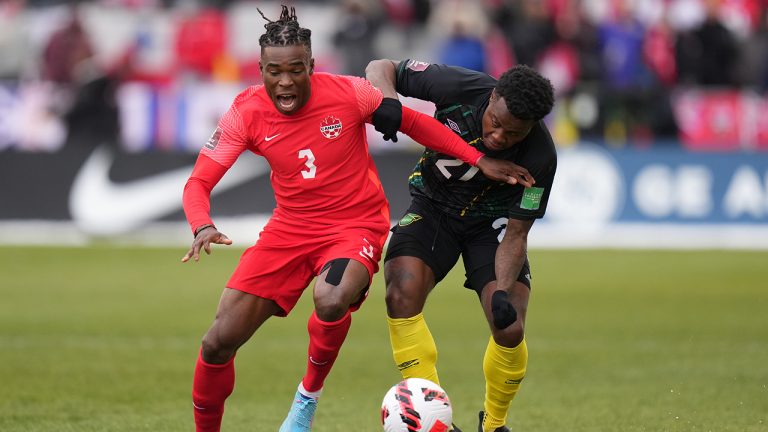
[416, 405]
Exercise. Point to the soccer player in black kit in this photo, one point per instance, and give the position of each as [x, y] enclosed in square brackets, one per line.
[455, 210]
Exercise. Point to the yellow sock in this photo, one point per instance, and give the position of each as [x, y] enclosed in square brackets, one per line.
[504, 369]
[413, 347]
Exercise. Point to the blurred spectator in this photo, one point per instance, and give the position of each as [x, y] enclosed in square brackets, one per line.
[528, 26]
[67, 49]
[399, 12]
[753, 67]
[561, 61]
[659, 53]
[620, 44]
[86, 93]
[460, 28]
[707, 55]
[14, 41]
[92, 119]
[201, 41]
[460, 48]
[355, 37]
[421, 11]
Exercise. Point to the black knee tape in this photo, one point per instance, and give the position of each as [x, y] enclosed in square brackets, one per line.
[504, 314]
[336, 271]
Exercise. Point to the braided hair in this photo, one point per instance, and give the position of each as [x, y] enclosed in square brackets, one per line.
[529, 96]
[285, 31]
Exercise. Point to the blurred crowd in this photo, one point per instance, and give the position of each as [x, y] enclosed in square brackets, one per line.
[619, 66]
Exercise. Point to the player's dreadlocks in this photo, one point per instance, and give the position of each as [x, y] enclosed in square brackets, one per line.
[529, 96]
[285, 31]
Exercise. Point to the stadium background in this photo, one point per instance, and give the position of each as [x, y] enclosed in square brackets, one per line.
[663, 142]
[660, 117]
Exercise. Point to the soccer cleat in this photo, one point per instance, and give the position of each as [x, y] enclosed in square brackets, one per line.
[301, 414]
[454, 428]
[498, 429]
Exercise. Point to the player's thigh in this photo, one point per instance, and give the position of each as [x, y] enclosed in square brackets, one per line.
[422, 233]
[481, 241]
[409, 280]
[279, 267]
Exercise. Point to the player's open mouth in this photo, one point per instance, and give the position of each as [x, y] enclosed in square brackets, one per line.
[286, 102]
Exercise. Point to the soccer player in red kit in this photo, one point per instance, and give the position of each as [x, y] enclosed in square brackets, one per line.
[331, 218]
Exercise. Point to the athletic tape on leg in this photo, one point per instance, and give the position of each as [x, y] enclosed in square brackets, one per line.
[504, 314]
[336, 271]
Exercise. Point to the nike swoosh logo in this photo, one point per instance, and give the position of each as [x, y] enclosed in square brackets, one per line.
[102, 207]
[314, 362]
[266, 138]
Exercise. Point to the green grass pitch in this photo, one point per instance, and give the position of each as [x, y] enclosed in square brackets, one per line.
[104, 339]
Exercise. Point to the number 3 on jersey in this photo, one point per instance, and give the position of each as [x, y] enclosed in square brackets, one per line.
[310, 163]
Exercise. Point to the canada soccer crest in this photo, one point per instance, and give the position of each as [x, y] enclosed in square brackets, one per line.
[330, 127]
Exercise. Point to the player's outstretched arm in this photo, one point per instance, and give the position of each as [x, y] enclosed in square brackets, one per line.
[431, 133]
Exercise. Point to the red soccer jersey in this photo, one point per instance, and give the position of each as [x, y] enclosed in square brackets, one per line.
[321, 169]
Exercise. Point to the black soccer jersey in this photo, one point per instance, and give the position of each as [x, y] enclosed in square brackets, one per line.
[461, 97]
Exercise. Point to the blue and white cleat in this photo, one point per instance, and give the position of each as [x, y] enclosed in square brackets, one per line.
[301, 414]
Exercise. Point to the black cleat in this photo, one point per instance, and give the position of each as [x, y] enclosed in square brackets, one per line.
[498, 429]
[454, 428]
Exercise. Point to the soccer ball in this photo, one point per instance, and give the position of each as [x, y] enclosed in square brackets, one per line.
[416, 405]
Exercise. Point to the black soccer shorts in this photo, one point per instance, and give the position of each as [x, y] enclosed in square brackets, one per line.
[438, 238]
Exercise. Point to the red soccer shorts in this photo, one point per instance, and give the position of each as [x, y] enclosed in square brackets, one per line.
[285, 259]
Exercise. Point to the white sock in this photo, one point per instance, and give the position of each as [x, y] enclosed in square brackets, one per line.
[313, 395]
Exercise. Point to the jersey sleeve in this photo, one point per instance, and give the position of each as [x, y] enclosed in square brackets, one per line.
[196, 198]
[442, 84]
[218, 154]
[531, 203]
[368, 97]
[229, 139]
[432, 134]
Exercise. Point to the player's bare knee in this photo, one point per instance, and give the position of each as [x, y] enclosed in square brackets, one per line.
[331, 306]
[396, 299]
[511, 336]
[215, 351]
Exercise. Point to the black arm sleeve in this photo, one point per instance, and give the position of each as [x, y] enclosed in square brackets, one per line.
[442, 84]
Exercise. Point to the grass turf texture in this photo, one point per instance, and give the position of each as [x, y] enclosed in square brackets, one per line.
[104, 339]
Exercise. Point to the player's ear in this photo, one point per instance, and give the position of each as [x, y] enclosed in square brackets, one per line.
[311, 65]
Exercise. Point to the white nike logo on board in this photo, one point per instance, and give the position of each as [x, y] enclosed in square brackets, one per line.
[266, 138]
[100, 206]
